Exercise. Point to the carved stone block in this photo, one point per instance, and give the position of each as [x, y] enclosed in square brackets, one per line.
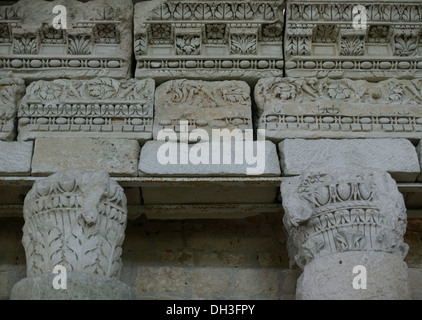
[203, 104]
[76, 219]
[342, 210]
[208, 39]
[11, 91]
[97, 40]
[327, 108]
[200, 159]
[15, 158]
[396, 156]
[338, 39]
[119, 157]
[98, 108]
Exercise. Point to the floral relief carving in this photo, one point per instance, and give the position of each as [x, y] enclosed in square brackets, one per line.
[343, 211]
[76, 219]
[243, 44]
[188, 45]
[25, 45]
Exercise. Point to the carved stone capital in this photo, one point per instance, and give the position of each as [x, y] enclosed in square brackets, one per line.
[343, 210]
[76, 219]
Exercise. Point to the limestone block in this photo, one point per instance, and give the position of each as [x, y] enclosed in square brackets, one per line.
[153, 159]
[11, 91]
[99, 108]
[341, 210]
[80, 286]
[76, 219]
[332, 277]
[326, 108]
[119, 157]
[415, 279]
[203, 104]
[330, 39]
[396, 156]
[208, 40]
[95, 42]
[15, 158]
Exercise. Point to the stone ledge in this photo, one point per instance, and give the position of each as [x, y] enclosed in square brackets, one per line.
[119, 157]
[396, 156]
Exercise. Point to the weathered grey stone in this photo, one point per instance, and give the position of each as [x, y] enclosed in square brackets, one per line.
[11, 91]
[99, 108]
[326, 108]
[203, 104]
[154, 155]
[340, 219]
[15, 158]
[368, 40]
[353, 209]
[83, 215]
[119, 157]
[80, 286]
[208, 40]
[396, 156]
[332, 277]
[96, 42]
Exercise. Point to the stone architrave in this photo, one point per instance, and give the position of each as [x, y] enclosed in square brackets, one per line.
[328, 108]
[96, 40]
[396, 156]
[75, 219]
[97, 108]
[341, 219]
[214, 40]
[11, 91]
[377, 39]
[203, 105]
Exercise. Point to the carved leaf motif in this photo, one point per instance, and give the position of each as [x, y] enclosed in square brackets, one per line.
[244, 11]
[25, 46]
[243, 44]
[109, 260]
[182, 11]
[79, 45]
[405, 46]
[203, 11]
[352, 46]
[223, 11]
[82, 243]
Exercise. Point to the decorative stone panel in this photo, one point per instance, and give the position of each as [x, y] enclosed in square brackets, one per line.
[330, 39]
[98, 108]
[203, 105]
[11, 91]
[216, 40]
[328, 108]
[96, 42]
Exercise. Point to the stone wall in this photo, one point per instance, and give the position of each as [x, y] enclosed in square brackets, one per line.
[337, 107]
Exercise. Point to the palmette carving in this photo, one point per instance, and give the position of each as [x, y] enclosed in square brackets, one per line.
[208, 39]
[322, 41]
[344, 210]
[76, 219]
[99, 106]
